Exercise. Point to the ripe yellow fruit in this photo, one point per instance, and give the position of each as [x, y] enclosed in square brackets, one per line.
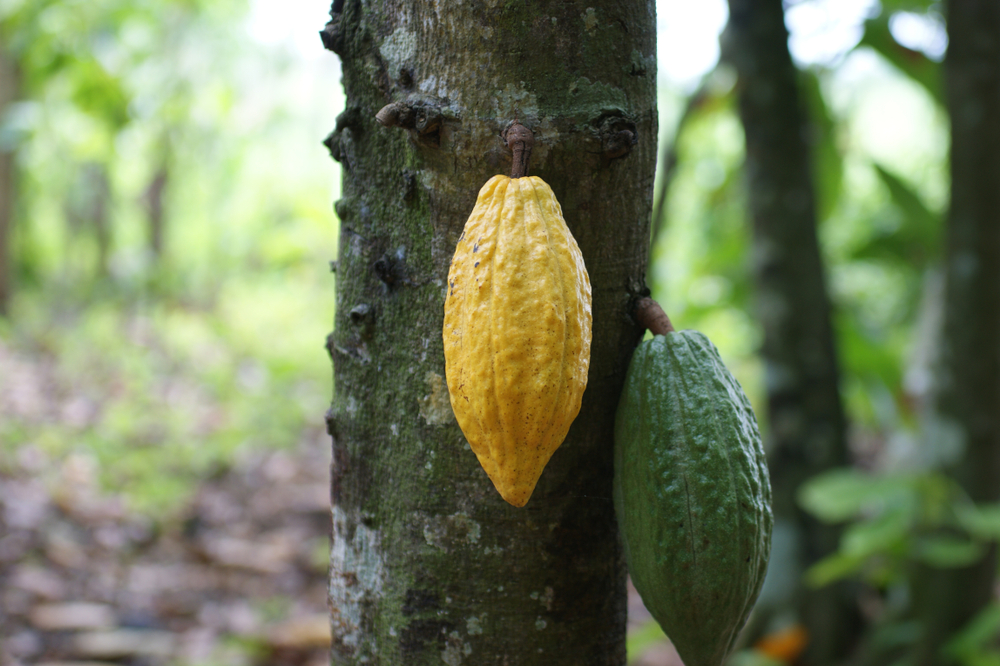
[517, 331]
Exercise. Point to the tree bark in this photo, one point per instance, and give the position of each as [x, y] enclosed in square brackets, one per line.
[807, 426]
[153, 199]
[428, 563]
[9, 86]
[968, 394]
[97, 187]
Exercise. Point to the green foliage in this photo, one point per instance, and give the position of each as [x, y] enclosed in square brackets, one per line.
[169, 392]
[164, 367]
[897, 520]
[916, 240]
[891, 6]
[643, 638]
[976, 644]
[699, 265]
[914, 64]
[828, 163]
[751, 658]
[99, 93]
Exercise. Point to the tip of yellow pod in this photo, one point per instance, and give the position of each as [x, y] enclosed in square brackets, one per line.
[516, 489]
[518, 496]
[515, 486]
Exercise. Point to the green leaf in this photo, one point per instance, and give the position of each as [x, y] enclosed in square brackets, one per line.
[100, 94]
[925, 222]
[865, 357]
[917, 241]
[833, 568]
[891, 6]
[841, 494]
[834, 496]
[983, 658]
[914, 64]
[886, 533]
[971, 645]
[892, 635]
[752, 658]
[981, 521]
[828, 164]
[922, 231]
[947, 552]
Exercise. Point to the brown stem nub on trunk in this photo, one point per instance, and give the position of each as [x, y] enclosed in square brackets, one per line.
[520, 140]
[650, 315]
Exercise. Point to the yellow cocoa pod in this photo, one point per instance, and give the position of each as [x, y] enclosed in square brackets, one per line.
[517, 329]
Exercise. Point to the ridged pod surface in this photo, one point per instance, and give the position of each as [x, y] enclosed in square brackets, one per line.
[692, 494]
[517, 331]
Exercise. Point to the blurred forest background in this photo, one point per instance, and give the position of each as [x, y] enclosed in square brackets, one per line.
[166, 225]
[166, 209]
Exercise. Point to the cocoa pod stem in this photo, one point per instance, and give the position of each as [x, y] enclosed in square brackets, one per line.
[650, 315]
[520, 141]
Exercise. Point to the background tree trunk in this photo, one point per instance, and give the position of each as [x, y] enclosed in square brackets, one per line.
[153, 200]
[968, 394]
[97, 188]
[807, 425]
[429, 564]
[9, 85]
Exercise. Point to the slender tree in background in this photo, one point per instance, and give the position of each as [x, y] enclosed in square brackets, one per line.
[153, 200]
[429, 564]
[807, 424]
[968, 392]
[9, 85]
[88, 214]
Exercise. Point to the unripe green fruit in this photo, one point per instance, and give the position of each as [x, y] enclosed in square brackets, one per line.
[692, 494]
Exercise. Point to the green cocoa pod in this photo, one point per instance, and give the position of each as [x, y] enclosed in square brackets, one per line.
[692, 494]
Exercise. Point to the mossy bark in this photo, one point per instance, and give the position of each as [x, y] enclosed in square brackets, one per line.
[429, 565]
[968, 389]
[807, 432]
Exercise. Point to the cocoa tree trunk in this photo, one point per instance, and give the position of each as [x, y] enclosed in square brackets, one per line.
[429, 564]
[807, 426]
[968, 392]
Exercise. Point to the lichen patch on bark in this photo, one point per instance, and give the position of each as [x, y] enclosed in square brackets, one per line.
[451, 532]
[474, 625]
[435, 406]
[456, 650]
[399, 50]
[516, 100]
[356, 575]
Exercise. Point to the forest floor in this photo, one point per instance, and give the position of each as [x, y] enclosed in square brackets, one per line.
[235, 576]
[239, 577]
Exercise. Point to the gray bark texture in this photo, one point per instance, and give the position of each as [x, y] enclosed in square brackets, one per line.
[429, 565]
[968, 393]
[808, 432]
